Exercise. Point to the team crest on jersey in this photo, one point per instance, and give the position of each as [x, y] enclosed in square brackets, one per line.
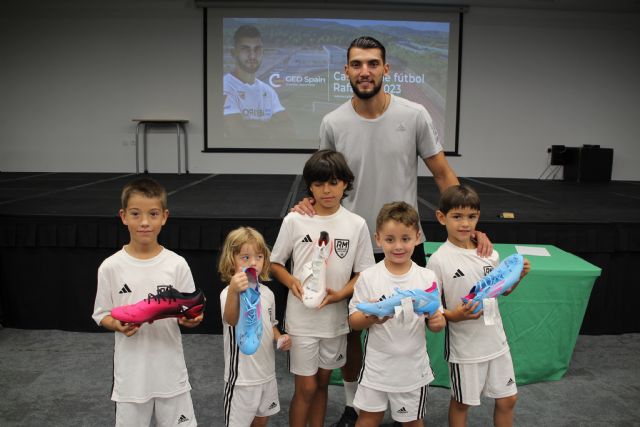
[241, 94]
[487, 269]
[341, 247]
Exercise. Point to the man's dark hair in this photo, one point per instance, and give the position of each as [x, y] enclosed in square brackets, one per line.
[246, 31]
[459, 196]
[326, 165]
[366, 42]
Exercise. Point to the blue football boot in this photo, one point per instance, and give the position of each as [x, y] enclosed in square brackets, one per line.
[424, 302]
[249, 326]
[499, 280]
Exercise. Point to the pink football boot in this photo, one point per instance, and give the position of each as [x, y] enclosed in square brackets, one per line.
[168, 302]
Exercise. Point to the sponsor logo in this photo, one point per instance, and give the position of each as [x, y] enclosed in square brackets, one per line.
[125, 289]
[307, 239]
[182, 419]
[459, 273]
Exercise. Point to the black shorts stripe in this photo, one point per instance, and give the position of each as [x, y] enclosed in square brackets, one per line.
[447, 348]
[364, 354]
[422, 404]
[456, 387]
[232, 375]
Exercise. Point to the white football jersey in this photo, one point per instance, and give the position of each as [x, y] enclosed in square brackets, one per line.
[395, 355]
[260, 367]
[256, 101]
[150, 363]
[350, 252]
[458, 269]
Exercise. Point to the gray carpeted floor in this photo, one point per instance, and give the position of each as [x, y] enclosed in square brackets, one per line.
[55, 378]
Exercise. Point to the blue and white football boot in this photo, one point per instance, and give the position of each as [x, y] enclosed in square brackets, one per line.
[497, 282]
[424, 302]
[249, 326]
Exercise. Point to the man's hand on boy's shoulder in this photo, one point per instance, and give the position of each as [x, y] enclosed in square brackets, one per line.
[305, 207]
[190, 323]
[485, 247]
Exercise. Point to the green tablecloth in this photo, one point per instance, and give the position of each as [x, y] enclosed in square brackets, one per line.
[542, 318]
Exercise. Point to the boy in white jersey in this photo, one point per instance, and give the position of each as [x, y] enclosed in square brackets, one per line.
[395, 367]
[319, 334]
[150, 379]
[475, 344]
[251, 390]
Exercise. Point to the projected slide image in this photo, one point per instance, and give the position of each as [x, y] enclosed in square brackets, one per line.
[282, 75]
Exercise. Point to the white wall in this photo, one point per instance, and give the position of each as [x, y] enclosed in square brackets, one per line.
[531, 79]
[73, 78]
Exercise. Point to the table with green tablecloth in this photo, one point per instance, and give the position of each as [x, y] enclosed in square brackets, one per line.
[541, 318]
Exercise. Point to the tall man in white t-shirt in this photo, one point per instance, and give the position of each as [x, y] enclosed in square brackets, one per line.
[252, 109]
[382, 137]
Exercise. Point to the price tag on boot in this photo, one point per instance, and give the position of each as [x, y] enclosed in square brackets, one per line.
[490, 309]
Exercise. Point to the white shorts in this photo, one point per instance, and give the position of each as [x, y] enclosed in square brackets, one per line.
[307, 354]
[494, 378]
[405, 406]
[170, 411]
[242, 403]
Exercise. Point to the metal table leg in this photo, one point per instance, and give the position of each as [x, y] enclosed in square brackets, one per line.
[186, 149]
[144, 147]
[178, 133]
[137, 148]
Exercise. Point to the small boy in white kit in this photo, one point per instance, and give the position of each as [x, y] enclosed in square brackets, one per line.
[319, 335]
[150, 379]
[476, 346]
[251, 390]
[395, 367]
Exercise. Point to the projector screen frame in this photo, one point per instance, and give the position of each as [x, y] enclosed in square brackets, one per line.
[239, 10]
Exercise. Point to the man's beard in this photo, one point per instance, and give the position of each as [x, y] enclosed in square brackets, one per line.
[366, 95]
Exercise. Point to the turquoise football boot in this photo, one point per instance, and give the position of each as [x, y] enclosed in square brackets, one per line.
[249, 326]
[424, 302]
[497, 282]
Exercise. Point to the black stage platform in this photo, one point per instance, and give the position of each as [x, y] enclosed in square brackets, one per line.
[56, 228]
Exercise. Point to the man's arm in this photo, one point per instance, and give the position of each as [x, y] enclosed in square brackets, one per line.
[441, 171]
[446, 177]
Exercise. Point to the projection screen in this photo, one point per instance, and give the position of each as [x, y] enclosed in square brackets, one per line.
[268, 90]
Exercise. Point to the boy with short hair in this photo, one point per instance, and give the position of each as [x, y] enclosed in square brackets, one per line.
[318, 335]
[150, 379]
[476, 346]
[396, 368]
